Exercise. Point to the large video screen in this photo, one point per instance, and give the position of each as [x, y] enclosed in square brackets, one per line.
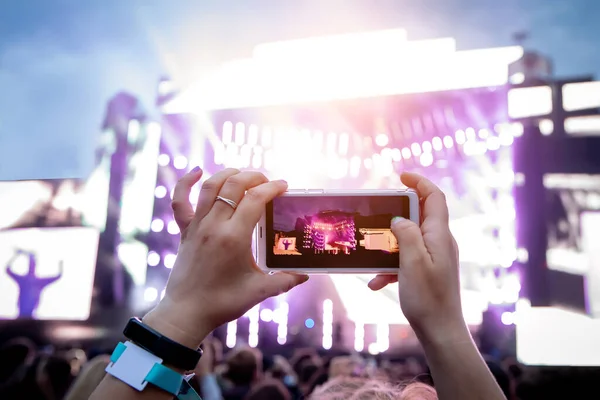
[54, 203]
[47, 273]
[573, 276]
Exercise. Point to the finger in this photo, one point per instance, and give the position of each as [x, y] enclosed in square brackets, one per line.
[381, 281]
[253, 203]
[182, 207]
[434, 200]
[278, 283]
[210, 190]
[410, 241]
[233, 189]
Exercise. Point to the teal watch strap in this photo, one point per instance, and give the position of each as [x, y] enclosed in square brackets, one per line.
[165, 379]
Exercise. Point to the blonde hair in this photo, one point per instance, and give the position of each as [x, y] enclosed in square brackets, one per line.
[89, 378]
[344, 388]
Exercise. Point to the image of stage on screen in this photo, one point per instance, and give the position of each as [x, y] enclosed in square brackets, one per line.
[335, 232]
[339, 226]
[47, 273]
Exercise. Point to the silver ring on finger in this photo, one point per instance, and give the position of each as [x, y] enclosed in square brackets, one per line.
[227, 201]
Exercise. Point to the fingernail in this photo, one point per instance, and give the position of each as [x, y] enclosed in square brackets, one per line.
[282, 181]
[396, 220]
[305, 278]
[196, 169]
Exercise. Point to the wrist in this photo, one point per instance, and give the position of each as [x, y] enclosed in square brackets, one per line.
[177, 324]
[443, 333]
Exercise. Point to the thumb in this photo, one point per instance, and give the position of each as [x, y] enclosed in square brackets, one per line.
[410, 241]
[278, 283]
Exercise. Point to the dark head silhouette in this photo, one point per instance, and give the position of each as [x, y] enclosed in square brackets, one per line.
[30, 285]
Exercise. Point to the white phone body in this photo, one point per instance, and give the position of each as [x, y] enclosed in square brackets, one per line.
[262, 238]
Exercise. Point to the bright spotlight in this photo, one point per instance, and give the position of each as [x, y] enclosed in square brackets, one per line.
[150, 294]
[164, 160]
[169, 260]
[180, 162]
[153, 259]
[160, 192]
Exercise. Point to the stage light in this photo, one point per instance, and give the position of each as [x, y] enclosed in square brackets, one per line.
[484, 133]
[396, 155]
[426, 146]
[309, 323]
[460, 136]
[169, 260]
[266, 315]
[180, 162]
[359, 336]
[173, 228]
[470, 134]
[415, 149]
[373, 349]
[157, 225]
[426, 159]
[327, 324]
[160, 192]
[546, 127]
[254, 326]
[493, 143]
[368, 162]
[163, 160]
[240, 131]
[281, 318]
[227, 132]
[383, 337]
[522, 255]
[231, 337]
[153, 258]
[517, 129]
[448, 142]
[382, 140]
[253, 135]
[406, 154]
[150, 294]
[437, 143]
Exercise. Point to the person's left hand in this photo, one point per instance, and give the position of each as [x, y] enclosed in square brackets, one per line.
[215, 278]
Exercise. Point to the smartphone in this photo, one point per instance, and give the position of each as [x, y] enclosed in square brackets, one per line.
[333, 231]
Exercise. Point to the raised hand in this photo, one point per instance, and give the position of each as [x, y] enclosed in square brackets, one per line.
[428, 277]
[215, 278]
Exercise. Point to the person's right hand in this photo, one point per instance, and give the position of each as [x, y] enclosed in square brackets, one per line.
[428, 277]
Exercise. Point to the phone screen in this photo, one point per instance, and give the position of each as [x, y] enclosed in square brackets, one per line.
[333, 231]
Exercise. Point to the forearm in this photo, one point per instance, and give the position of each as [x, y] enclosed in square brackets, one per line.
[457, 368]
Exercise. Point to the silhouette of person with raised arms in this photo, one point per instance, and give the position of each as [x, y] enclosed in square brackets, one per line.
[30, 285]
[287, 244]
